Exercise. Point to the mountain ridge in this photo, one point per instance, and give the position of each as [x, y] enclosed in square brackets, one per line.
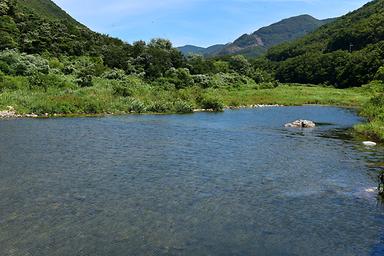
[258, 42]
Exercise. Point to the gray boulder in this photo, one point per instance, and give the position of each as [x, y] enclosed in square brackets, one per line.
[301, 124]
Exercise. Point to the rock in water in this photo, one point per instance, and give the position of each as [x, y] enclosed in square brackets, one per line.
[301, 124]
[369, 143]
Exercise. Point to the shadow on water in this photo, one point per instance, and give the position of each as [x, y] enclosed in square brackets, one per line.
[345, 134]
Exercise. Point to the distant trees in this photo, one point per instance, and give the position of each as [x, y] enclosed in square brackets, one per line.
[240, 64]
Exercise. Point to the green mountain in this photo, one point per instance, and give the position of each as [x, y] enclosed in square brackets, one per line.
[36, 26]
[46, 9]
[283, 31]
[258, 42]
[347, 52]
[191, 49]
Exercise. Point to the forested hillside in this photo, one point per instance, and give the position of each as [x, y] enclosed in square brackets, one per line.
[257, 43]
[285, 30]
[345, 53]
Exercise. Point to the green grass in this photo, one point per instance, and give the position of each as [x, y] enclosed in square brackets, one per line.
[141, 97]
[289, 95]
[373, 130]
[374, 112]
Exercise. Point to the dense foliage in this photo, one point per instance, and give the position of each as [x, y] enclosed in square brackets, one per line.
[347, 52]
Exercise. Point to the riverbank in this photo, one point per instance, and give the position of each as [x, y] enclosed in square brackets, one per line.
[101, 99]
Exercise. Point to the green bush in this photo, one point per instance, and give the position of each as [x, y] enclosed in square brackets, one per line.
[92, 106]
[234, 80]
[204, 81]
[375, 87]
[183, 107]
[122, 89]
[44, 81]
[54, 63]
[84, 79]
[12, 83]
[380, 74]
[210, 102]
[23, 64]
[165, 83]
[180, 77]
[136, 106]
[240, 64]
[159, 107]
[4, 67]
[114, 74]
[374, 110]
[261, 76]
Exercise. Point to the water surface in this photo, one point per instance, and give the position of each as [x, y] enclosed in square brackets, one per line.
[232, 183]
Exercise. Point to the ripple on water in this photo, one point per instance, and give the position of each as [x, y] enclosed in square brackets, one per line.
[233, 183]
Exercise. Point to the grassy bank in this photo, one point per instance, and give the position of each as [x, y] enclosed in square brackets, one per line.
[373, 110]
[115, 97]
[293, 95]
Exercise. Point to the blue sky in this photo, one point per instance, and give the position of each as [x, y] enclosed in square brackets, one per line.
[197, 22]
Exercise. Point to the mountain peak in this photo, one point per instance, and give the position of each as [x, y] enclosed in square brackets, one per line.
[259, 41]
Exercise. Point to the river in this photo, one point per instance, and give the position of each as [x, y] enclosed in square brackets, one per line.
[231, 183]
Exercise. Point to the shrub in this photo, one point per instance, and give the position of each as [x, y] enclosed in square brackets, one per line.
[137, 106]
[240, 64]
[13, 83]
[84, 79]
[4, 67]
[210, 102]
[182, 107]
[374, 109]
[165, 83]
[23, 64]
[221, 66]
[159, 107]
[122, 89]
[204, 81]
[92, 106]
[69, 69]
[380, 74]
[44, 81]
[54, 63]
[228, 80]
[114, 74]
[261, 76]
[375, 87]
[180, 77]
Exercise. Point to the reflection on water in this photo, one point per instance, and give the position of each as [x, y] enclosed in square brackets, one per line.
[233, 183]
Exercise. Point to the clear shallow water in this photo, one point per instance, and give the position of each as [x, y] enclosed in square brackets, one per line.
[233, 183]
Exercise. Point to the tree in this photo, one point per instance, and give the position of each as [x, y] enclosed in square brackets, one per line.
[240, 64]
